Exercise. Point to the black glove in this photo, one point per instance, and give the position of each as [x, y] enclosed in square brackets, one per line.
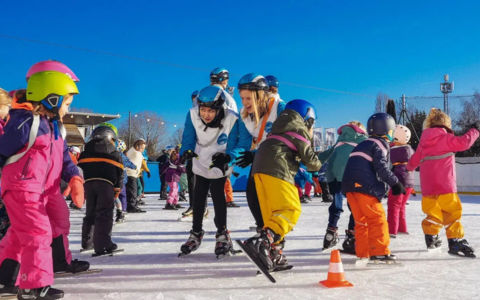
[220, 157]
[148, 174]
[235, 174]
[245, 159]
[188, 155]
[220, 165]
[476, 125]
[398, 189]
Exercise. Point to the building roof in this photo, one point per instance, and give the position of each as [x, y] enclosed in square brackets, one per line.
[87, 119]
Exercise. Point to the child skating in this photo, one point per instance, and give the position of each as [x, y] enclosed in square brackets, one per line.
[436, 157]
[173, 169]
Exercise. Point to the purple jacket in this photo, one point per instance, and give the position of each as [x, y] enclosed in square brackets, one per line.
[400, 155]
[173, 169]
[45, 163]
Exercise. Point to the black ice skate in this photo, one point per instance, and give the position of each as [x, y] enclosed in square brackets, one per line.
[383, 259]
[303, 199]
[460, 247]
[169, 206]
[110, 251]
[331, 239]
[223, 245]
[260, 246]
[433, 242]
[349, 243]
[75, 266]
[232, 204]
[45, 293]
[120, 218]
[193, 242]
[280, 261]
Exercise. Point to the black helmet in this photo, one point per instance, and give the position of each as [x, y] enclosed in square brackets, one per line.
[103, 132]
[381, 124]
[219, 75]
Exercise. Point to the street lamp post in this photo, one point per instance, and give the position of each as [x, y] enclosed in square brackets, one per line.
[446, 88]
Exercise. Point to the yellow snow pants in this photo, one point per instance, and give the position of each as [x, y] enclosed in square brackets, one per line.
[442, 210]
[279, 203]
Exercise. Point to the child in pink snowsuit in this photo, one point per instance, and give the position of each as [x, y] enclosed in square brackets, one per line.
[173, 169]
[34, 157]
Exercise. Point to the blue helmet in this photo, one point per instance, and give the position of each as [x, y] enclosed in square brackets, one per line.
[211, 96]
[272, 81]
[304, 108]
[253, 82]
[219, 75]
[195, 94]
[381, 124]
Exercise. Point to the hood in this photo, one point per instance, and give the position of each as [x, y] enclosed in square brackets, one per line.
[431, 136]
[351, 133]
[100, 146]
[289, 120]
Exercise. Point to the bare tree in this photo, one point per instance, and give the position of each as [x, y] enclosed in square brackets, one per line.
[147, 125]
[176, 137]
[381, 102]
[470, 112]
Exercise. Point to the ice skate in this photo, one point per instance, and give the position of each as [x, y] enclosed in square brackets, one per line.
[433, 242]
[110, 251]
[8, 292]
[232, 204]
[303, 199]
[331, 239]
[170, 206]
[75, 266]
[389, 260]
[223, 245]
[193, 243]
[280, 262]
[120, 218]
[349, 243]
[460, 247]
[74, 207]
[260, 247]
[44, 293]
[188, 212]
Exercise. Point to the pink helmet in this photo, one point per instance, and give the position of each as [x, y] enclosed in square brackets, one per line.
[51, 65]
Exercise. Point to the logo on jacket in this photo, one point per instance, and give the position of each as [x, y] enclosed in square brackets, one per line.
[268, 127]
[222, 139]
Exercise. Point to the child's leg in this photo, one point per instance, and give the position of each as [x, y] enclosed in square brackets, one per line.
[59, 216]
[336, 208]
[217, 187]
[131, 193]
[434, 221]
[30, 235]
[308, 188]
[279, 203]
[89, 219]
[118, 204]
[123, 197]
[452, 213]
[402, 222]
[300, 191]
[228, 190]
[139, 187]
[171, 192]
[361, 232]
[318, 189]
[103, 215]
[202, 185]
[394, 206]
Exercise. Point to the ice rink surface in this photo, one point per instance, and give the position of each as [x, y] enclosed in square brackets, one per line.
[149, 268]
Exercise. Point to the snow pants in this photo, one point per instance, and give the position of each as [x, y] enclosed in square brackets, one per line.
[441, 210]
[191, 183]
[37, 238]
[253, 201]
[140, 187]
[123, 197]
[98, 221]
[371, 228]
[131, 193]
[228, 190]
[279, 203]
[172, 193]
[397, 221]
[336, 208]
[308, 188]
[216, 187]
[318, 188]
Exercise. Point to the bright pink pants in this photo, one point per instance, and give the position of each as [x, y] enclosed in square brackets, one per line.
[308, 189]
[397, 221]
[35, 219]
[172, 193]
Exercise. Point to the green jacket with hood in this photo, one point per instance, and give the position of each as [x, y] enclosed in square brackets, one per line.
[287, 145]
[337, 156]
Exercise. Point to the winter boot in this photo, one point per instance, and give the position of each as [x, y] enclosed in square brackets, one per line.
[331, 238]
[193, 242]
[223, 246]
[45, 293]
[8, 276]
[188, 212]
[460, 247]
[261, 247]
[279, 260]
[120, 217]
[433, 241]
[349, 243]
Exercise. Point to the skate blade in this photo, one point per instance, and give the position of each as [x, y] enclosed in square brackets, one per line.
[328, 250]
[435, 250]
[288, 268]
[83, 251]
[260, 269]
[229, 254]
[185, 219]
[462, 255]
[115, 252]
[8, 297]
[383, 264]
[88, 272]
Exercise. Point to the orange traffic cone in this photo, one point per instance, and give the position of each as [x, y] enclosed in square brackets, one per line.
[336, 276]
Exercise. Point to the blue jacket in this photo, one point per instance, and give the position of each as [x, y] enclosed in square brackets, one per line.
[302, 176]
[238, 140]
[368, 169]
[127, 163]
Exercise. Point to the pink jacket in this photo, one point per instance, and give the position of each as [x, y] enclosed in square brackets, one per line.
[438, 175]
[45, 163]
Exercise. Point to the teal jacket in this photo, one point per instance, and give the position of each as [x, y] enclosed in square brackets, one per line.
[337, 156]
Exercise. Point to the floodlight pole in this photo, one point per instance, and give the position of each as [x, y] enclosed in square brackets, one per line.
[129, 128]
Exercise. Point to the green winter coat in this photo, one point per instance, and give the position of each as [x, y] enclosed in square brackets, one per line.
[281, 159]
[337, 156]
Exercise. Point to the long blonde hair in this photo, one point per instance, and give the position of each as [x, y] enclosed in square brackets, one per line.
[260, 105]
[5, 98]
[436, 117]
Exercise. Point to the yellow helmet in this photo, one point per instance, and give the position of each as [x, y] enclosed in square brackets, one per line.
[49, 87]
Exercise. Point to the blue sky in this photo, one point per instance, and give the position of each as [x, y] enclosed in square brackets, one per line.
[361, 47]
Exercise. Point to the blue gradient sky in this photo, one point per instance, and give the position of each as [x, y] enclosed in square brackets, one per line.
[356, 46]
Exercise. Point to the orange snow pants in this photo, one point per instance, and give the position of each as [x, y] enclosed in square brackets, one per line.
[318, 189]
[443, 210]
[228, 190]
[371, 227]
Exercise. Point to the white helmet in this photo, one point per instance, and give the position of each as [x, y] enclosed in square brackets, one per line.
[402, 134]
[74, 149]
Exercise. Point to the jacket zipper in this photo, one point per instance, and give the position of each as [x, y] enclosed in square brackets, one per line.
[49, 161]
[25, 169]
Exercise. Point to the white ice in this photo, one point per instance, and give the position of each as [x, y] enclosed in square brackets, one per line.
[149, 267]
